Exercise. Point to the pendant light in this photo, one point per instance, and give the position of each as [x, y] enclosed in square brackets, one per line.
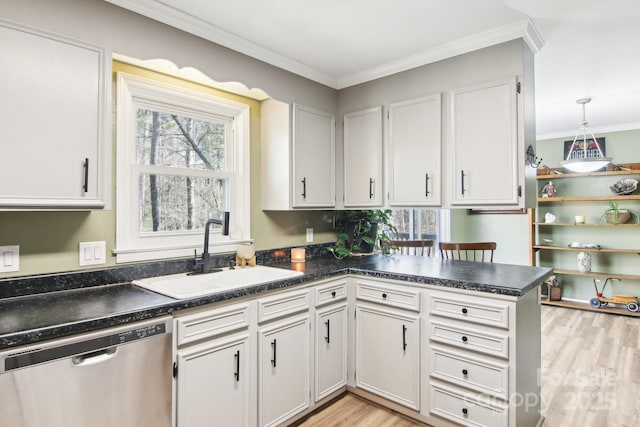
[584, 163]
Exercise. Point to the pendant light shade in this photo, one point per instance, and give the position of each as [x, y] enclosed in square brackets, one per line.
[587, 162]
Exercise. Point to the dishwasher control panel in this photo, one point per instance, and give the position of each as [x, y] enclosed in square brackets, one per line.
[82, 344]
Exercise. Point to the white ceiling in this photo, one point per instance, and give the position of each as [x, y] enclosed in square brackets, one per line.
[587, 48]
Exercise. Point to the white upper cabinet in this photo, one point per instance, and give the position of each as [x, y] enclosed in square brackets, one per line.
[414, 154]
[363, 158]
[53, 105]
[484, 144]
[298, 157]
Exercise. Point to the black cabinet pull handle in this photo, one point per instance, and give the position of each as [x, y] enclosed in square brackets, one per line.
[465, 372]
[464, 338]
[304, 187]
[464, 310]
[371, 188]
[328, 337]
[273, 350]
[426, 185]
[237, 372]
[404, 337]
[465, 411]
[462, 180]
[333, 294]
[384, 295]
[85, 186]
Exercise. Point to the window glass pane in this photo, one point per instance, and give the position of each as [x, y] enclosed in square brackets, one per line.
[414, 224]
[179, 203]
[177, 141]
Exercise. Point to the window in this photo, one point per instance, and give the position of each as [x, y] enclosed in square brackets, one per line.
[182, 158]
[422, 224]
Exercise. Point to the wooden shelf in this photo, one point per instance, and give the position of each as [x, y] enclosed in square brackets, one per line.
[587, 199]
[604, 250]
[598, 275]
[582, 306]
[634, 170]
[589, 224]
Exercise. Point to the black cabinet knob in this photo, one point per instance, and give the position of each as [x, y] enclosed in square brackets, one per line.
[465, 372]
[464, 310]
[465, 411]
[333, 294]
[384, 295]
[464, 338]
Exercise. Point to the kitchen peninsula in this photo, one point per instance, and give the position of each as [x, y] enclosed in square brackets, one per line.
[452, 317]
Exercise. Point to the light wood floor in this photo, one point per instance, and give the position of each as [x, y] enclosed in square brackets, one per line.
[590, 376]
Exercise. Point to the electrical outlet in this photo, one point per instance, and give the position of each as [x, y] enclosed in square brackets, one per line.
[9, 258]
[92, 253]
[309, 235]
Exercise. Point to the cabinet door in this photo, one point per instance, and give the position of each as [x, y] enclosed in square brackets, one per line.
[331, 350]
[283, 363]
[387, 354]
[363, 158]
[54, 100]
[313, 158]
[484, 143]
[415, 152]
[213, 384]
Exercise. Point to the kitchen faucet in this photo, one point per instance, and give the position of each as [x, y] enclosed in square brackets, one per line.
[205, 261]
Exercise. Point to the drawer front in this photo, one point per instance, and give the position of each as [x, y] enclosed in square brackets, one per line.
[282, 305]
[388, 294]
[210, 323]
[469, 309]
[331, 292]
[461, 408]
[475, 373]
[470, 339]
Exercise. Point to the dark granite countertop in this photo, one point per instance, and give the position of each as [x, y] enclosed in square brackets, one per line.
[31, 318]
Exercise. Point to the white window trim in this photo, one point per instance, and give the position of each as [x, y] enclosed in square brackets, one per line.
[130, 244]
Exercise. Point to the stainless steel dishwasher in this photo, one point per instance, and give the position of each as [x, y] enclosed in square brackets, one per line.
[116, 377]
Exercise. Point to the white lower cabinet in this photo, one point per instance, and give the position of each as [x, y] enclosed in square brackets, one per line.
[331, 350]
[283, 361]
[444, 357]
[388, 342]
[482, 361]
[213, 383]
[284, 357]
[212, 375]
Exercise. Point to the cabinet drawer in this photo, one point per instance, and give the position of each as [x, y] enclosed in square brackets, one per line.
[282, 305]
[210, 323]
[388, 294]
[469, 309]
[467, 371]
[470, 339]
[462, 408]
[331, 292]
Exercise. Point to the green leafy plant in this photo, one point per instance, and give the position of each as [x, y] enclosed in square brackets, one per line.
[615, 215]
[362, 231]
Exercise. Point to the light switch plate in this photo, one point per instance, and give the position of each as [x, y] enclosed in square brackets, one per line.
[92, 253]
[309, 235]
[9, 258]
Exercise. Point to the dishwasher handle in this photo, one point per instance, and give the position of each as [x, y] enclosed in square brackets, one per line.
[94, 357]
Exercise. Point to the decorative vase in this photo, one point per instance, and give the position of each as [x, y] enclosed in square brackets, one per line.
[584, 262]
[623, 216]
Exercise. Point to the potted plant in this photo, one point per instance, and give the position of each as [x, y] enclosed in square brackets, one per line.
[362, 231]
[615, 215]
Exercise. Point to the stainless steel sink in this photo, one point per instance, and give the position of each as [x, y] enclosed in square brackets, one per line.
[182, 285]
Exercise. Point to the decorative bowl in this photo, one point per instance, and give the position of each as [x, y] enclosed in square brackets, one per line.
[624, 186]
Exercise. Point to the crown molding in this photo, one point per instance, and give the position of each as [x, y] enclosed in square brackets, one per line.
[521, 29]
[191, 24]
[571, 133]
[166, 14]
